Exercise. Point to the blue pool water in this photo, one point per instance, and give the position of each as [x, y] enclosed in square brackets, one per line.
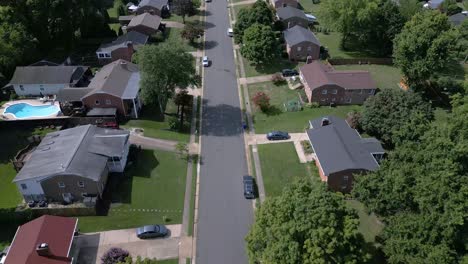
[23, 110]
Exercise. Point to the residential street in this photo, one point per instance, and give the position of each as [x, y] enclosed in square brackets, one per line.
[224, 216]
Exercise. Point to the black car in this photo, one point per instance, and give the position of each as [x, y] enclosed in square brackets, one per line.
[151, 231]
[289, 73]
[277, 135]
[42, 203]
[249, 187]
[32, 203]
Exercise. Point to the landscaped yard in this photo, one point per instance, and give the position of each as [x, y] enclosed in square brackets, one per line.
[332, 40]
[155, 181]
[280, 166]
[369, 225]
[156, 125]
[289, 121]
[385, 76]
[309, 7]
[275, 66]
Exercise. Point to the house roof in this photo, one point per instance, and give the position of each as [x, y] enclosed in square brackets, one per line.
[289, 12]
[119, 78]
[71, 94]
[78, 151]
[126, 18]
[317, 74]
[457, 19]
[48, 74]
[298, 34]
[339, 147]
[145, 19]
[159, 4]
[56, 231]
[132, 37]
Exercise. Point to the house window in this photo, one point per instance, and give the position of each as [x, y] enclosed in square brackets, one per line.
[324, 91]
[84, 194]
[21, 87]
[344, 183]
[348, 100]
[61, 185]
[81, 184]
[97, 102]
[371, 91]
[108, 55]
[323, 99]
[100, 55]
[309, 48]
[334, 91]
[299, 48]
[24, 186]
[108, 101]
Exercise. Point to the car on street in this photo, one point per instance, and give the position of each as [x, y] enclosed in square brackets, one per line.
[205, 61]
[277, 135]
[289, 73]
[249, 187]
[207, 1]
[230, 32]
[151, 231]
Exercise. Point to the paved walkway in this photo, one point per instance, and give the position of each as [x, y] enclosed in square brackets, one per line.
[243, 3]
[173, 24]
[152, 143]
[256, 79]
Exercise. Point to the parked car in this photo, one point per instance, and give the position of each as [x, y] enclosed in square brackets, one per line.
[311, 18]
[277, 135]
[289, 73]
[207, 1]
[205, 61]
[32, 203]
[230, 32]
[151, 231]
[42, 203]
[249, 187]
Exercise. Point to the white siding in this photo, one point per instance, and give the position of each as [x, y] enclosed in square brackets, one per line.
[119, 166]
[33, 187]
[34, 89]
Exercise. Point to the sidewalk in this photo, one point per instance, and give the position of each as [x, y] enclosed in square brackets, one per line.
[256, 79]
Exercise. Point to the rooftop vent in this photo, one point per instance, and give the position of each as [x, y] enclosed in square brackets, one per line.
[43, 249]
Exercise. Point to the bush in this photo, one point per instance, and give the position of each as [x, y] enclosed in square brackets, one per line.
[307, 147]
[174, 123]
[354, 120]
[115, 255]
[313, 105]
[277, 79]
[262, 100]
[13, 96]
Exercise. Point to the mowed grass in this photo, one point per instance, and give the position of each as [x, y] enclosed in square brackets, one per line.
[279, 63]
[10, 196]
[369, 225]
[280, 166]
[309, 7]
[385, 76]
[289, 121]
[155, 181]
[332, 40]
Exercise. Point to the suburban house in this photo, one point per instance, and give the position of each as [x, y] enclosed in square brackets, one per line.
[145, 24]
[122, 48]
[74, 163]
[48, 80]
[283, 3]
[291, 17]
[116, 85]
[341, 152]
[301, 44]
[154, 7]
[458, 19]
[45, 240]
[325, 85]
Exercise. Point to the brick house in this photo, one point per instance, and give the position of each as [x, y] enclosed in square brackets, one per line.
[341, 153]
[145, 24]
[122, 48]
[71, 164]
[153, 7]
[291, 17]
[301, 43]
[283, 3]
[325, 85]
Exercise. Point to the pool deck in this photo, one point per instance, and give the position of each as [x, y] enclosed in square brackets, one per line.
[36, 102]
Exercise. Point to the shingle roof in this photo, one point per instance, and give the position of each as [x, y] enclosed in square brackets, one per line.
[133, 37]
[145, 19]
[317, 74]
[56, 231]
[288, 12]
[116, 78]
[72, 94]
[77, 151]
[48, 74]
[339, 147]
[457, 19]
[159, 4]
[298, 34]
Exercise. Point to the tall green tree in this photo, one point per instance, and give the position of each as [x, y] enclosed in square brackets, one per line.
[259, 44]
[425, 46]
[259, 13]
[305, 224]
[408, 8]
[183, 8]
[160, 78]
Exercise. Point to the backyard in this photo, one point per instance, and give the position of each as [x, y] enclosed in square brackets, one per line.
[385, 76]
[155, 181]
[289, 121]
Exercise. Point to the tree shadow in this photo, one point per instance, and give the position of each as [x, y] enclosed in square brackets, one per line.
[210, 44]
[204, 13]
[273, 110]
[209, 25]
[221, 120]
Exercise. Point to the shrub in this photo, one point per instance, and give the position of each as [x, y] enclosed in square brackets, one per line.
[13, 96]
[277, 79]
[115, 255]
[174, 123]
[307, 147]
[354, 120]
[313, 105]
[262, 100]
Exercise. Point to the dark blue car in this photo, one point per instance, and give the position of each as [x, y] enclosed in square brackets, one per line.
[277, 135]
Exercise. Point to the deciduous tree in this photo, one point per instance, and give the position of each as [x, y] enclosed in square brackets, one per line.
[259, 13]
[183, 8]
[259, 44]
[182, 99]
[192, 31]
[262, 100]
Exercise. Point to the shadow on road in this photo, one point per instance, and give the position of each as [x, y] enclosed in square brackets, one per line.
[209, 25]
[210, 44]
[221, 120]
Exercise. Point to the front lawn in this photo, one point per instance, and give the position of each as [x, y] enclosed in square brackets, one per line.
[386, 76]
[289, 121]
[280, 166]
[275, 66]
[156, 125]
[156, 181]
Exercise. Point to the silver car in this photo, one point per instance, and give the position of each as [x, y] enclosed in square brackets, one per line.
[151, 231]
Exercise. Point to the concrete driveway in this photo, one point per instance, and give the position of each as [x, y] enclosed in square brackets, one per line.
[94, 245]
[261, 139]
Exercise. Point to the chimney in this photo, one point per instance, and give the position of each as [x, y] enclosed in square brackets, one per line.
[325, 121]
[43, 249]
[309, 60]
[130, 46]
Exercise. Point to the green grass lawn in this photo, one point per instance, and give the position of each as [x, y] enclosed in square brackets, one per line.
[289, 121]
[10, 196]
[167, 261]
[177, 18]
[275, 66]
[192, 198]
[280, 169]
[237, 8]
[156, 125]
[369, 225]
[155, 181]
[331, 41]
[310, 7]
[115, 27]
[385, 76]
[173, 35]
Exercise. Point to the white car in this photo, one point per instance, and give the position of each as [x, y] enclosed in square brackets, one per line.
[311, 18]
[230, 32]
[205, 61]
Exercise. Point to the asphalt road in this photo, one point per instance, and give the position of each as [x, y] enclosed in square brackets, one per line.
[224, 216]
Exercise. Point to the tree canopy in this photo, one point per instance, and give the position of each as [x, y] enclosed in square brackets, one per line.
[259, 13]
[259, 44]
[306, 224]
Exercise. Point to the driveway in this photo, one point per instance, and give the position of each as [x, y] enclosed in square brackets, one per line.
[94, 245]
[261, 139]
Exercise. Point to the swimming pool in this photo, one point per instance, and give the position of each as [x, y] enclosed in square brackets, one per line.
[24, 110]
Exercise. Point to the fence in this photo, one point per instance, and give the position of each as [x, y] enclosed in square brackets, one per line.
[378, 61]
